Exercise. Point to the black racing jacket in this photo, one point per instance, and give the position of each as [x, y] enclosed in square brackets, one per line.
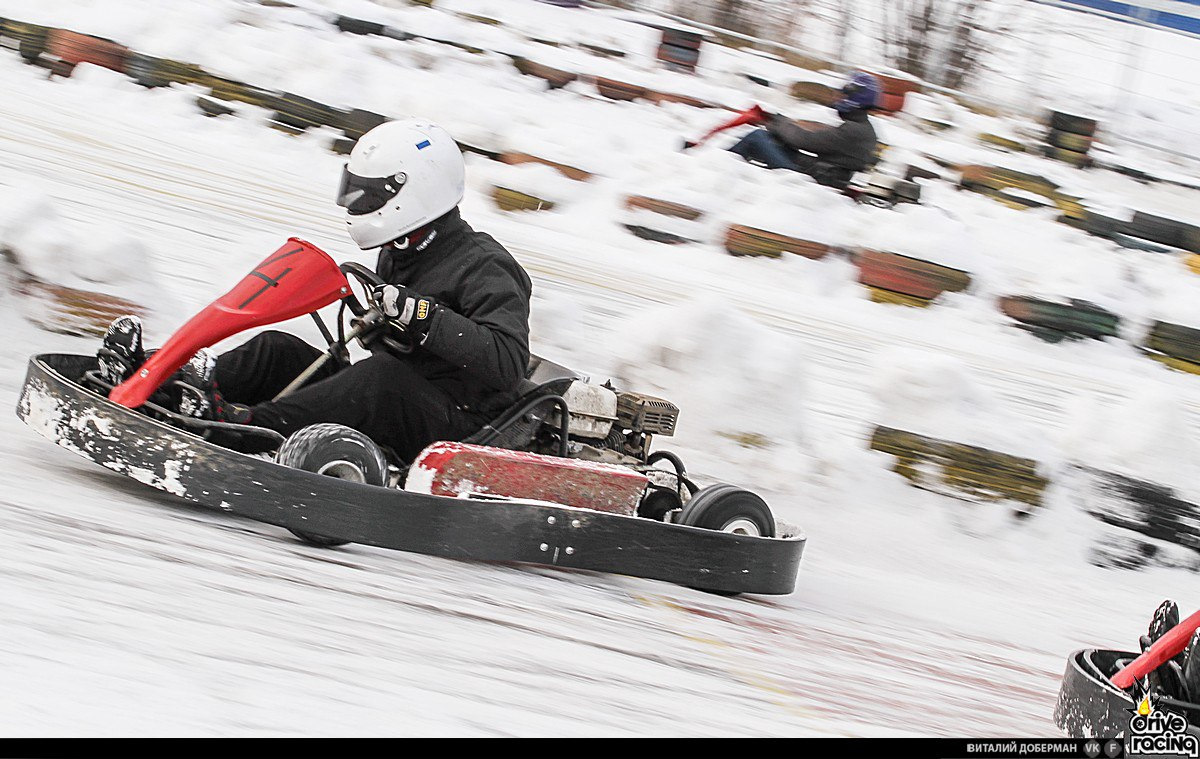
[477, 348]
[850, 145]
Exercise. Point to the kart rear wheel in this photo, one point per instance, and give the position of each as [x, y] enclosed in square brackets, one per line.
[333, 450]
[728, 508]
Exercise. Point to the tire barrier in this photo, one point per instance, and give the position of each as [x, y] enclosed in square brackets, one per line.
[750, 241]
[962, 471]
[70, 49]
[1163, 230]
[680, 49]
[240, 92]
[1070, 138]
[890, 104]
[1053, 322]
[1174, 341]
[358, 26]
[668, 232]
[657, 235]
[553, 77]
[1004, 143]
[212, 107]
[616, 90]
[63, 309]
[1066, 122]
[1018, 189]
[1070, 141]
[895, 89]
[658, 98]
[887, 297]
[1075, 158]
[600, 50]
[909, 276]
[663, 207]
[813, 92]
[1147, 518]
[571, 172]
[1192, 261]
[513, 200]
[28, 39]
[356, 122]
[149, 71]
[292, 110]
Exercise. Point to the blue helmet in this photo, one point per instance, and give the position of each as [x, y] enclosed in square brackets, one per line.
[860, 93]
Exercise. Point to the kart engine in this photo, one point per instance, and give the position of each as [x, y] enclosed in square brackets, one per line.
[606, 424]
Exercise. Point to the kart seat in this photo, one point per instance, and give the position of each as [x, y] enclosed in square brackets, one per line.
[516, 427]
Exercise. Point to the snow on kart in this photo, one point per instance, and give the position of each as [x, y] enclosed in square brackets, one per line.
[564, 477]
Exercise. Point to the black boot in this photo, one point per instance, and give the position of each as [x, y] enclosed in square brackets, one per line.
[121, 351]
[198, 394]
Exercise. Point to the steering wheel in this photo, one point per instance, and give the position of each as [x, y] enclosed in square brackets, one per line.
[392, 336]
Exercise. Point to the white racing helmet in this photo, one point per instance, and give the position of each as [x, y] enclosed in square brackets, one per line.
[401, 175]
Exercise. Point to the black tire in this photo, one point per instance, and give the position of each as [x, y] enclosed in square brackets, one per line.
[337, 451]
[1159, 229]
[658, 503]
[727, 508]
[1070, 141]
[1065, 122]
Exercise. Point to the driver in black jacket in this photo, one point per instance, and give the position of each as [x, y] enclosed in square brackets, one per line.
[458, 293]
[830, 155]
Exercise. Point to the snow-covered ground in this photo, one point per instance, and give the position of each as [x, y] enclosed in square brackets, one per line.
[133, 613]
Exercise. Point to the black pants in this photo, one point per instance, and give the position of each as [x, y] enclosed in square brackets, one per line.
[760, 146]
[380, 396]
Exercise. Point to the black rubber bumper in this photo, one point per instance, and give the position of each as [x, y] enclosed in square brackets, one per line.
[188, 466]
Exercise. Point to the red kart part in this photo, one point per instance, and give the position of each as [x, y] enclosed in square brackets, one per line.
[752, 115]
[458, 469]
[1171, 644]
[295, 280]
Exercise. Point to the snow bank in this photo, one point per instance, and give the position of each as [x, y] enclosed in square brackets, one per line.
[1146, 436]
[100, 257]
[937, 395]
[733, 380]
[924, 232]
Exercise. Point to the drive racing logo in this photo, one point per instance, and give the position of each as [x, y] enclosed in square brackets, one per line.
[1153, 732]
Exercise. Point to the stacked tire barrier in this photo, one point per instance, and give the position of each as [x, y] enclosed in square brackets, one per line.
[679, 49]
[894, 91]
[29, 40]
[1175, 345]
[749, 241]
[813, 92]
[1002, 142]
[1147, 523]
[1070, 138]
[1056, 321]
[963, 471]
[554, 78]
[1021, 190]
[508, 199]
[60, 308]
[663, 220]
[904, 280]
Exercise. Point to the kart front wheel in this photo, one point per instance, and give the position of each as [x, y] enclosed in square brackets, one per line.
[728, 508]
[333, 450]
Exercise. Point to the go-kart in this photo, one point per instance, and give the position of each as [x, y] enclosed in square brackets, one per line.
[565, 477]
[1109, 694]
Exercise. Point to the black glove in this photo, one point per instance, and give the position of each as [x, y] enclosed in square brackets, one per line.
[402, 305]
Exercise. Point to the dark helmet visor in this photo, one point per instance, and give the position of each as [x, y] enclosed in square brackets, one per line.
[360, 195]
